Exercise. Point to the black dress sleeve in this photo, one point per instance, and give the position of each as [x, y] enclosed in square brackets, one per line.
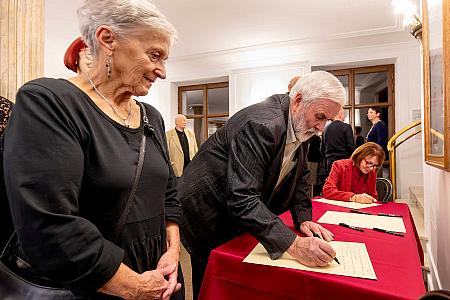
[172, 202]
[44, 163]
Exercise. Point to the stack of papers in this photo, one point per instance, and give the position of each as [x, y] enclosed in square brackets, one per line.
[364, 221]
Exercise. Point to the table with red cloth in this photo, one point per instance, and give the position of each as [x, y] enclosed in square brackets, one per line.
[396, 261]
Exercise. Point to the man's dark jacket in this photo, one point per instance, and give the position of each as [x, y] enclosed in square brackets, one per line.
[337, 142]
[230, 185]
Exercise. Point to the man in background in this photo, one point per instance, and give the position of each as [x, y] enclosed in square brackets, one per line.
[182, 145]
[292, 82]
[337, 140]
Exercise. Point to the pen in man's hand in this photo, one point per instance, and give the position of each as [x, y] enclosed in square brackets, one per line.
[351, 227]
[389, 215]
[318, 236]
[359, 212]
[388, 231]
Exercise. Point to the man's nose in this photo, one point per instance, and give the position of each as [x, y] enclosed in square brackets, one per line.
[320, 125]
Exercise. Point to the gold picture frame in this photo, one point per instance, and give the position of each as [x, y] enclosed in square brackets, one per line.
[436, 68]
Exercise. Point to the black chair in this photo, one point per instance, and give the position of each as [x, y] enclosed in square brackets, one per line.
[437, 294]
[384, 189]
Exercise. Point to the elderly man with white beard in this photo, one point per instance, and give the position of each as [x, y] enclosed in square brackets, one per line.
[252, 170]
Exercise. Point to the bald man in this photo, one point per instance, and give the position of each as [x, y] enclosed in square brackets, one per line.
[292, 82]
[337, 140]
[182, 145]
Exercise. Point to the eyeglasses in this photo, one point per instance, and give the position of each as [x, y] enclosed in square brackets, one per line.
[370, 164]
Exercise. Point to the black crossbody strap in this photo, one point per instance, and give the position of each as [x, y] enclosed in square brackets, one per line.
[118, 230]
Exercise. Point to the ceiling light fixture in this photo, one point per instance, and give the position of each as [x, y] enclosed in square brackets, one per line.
[410, 17]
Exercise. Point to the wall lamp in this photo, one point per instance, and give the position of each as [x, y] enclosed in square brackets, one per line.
[410, 17]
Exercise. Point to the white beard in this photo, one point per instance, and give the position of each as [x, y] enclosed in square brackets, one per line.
[301, 132]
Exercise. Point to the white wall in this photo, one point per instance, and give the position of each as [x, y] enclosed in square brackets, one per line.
[437, 212]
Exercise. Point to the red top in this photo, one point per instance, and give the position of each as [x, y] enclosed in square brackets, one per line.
[339, 184]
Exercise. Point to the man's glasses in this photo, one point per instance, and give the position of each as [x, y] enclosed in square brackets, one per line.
[371, 164]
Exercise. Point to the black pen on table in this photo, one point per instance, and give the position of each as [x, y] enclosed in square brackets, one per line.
[389, 215]
[388, 231]
[359, 212]
[318, 236]
[351, 227]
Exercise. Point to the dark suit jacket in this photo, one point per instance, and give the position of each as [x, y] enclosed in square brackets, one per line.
[338, 142]
[230, 185]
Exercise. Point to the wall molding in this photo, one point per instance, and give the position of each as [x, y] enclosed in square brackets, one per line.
[435, 280]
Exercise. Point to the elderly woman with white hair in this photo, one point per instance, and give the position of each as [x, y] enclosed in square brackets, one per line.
[94, 202]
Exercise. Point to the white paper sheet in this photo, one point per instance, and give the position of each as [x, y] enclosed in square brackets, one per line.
[353, 257]
[353, 205]
[364, 221]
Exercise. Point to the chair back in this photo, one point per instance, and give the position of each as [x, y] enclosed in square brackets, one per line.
[384, 189]
[437, 294]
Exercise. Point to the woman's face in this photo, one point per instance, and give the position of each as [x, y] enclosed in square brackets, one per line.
[369, 163]
[84, 61]
[372, 114]
[140, 60]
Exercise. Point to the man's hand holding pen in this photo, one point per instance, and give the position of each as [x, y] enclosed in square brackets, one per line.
[312, 251]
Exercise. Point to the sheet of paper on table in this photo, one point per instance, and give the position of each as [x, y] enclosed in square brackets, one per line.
[354, 259]
[353, 205]
[364, 221]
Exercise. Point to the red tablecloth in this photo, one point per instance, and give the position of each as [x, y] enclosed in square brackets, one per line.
[396, 262]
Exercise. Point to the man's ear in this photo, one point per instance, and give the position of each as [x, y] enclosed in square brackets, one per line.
[106, 39]
[296, 101]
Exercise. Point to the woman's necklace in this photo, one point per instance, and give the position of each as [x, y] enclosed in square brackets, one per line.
[125, 121]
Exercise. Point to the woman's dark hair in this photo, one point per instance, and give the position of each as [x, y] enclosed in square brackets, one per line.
[377, 110]
[368, 149]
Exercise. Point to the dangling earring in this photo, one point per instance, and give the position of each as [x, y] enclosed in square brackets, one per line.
[108, 66]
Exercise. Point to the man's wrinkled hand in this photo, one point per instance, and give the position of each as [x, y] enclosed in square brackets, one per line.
[309, 228]
[312, 252]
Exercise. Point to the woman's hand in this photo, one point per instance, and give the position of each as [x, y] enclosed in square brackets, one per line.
[130, 285]
[363, 198]
[170, 260]
[309, 228]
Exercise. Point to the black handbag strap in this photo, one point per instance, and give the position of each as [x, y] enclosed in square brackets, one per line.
[121, 223]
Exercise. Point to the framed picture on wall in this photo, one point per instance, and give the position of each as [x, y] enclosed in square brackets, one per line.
[436, 67]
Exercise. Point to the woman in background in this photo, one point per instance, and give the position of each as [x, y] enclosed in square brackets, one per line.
[78, 57]
[71, 155]
[354, 179]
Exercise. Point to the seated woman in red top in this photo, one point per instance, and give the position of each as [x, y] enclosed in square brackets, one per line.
[354, 179]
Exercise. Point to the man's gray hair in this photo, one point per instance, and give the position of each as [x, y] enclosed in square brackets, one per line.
[319, 85]
[125, 17]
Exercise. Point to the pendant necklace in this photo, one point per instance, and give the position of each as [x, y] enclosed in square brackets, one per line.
[125, 121]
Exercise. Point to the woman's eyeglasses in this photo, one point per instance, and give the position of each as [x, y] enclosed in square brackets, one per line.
[370, 164]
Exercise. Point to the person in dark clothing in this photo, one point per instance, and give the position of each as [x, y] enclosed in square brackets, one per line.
[71, 150]
[359, 139]
[378, 131]
[337, 140]
[253, 169]
[6, 225]
[313, 159]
